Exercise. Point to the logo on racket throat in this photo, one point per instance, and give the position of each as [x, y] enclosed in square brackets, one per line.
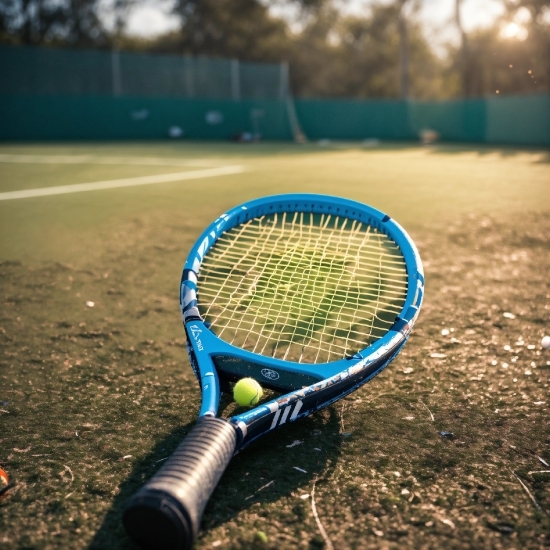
[195, 331]
[270, 374]
[284, 414]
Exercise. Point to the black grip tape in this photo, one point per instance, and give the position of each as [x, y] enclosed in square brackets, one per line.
[166, 512]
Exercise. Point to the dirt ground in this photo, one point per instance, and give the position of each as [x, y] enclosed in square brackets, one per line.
[449, 447]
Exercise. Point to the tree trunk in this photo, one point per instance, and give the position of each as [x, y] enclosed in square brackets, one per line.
[403, 51]
[463, 59]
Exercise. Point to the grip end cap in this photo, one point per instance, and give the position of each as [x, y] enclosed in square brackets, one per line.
[156, 522]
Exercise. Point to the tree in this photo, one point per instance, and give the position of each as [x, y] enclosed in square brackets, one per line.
[72, 22]
[535, 49]
[241, 29]
[496, 61]
[403, 49]
[463, 63]
[362, 57]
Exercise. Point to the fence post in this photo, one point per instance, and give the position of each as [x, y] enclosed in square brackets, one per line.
[284, 80]
[235, 80]
[115, 73]
[188, 77]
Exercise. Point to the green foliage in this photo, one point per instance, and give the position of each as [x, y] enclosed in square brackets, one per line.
[241, 29]
[68, 23]
[510, 66]
[363, 58]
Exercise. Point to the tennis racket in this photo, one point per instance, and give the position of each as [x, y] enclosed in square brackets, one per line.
[310, 295]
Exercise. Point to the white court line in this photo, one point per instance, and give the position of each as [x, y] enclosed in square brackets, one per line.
[92, 159]
[127, 182]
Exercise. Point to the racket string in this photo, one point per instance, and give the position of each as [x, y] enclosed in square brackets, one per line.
[300, 305]
[238, 239]
[339, 315]
[302, 286]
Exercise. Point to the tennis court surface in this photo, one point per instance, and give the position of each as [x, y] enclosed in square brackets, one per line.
[449, 447]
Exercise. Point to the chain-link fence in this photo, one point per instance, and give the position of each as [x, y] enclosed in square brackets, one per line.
[44, 71]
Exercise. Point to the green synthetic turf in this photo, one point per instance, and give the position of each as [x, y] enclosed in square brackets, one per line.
[414, 185]
[92, 399]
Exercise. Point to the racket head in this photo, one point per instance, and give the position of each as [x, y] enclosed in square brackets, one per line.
[232, 361]
[173, 501]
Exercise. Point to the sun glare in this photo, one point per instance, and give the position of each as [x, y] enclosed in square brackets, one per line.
[513, 30]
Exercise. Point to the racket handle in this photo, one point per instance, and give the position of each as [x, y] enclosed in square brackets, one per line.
[166, 512]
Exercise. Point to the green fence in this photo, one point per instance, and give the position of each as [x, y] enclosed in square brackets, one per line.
[103, 118]
[349, 119]
[68, 94]
[48, 93]
[49, 71]
[500, 120]
[513, 120]
[506, 120]
[453, 120]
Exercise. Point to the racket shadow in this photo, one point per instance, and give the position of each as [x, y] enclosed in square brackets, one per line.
[278, 464]
[263, 472]
[111, 533]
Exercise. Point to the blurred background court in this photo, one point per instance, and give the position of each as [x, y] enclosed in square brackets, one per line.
[455, 71]
[126, 126]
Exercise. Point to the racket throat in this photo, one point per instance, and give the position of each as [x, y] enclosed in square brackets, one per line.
[198, 335]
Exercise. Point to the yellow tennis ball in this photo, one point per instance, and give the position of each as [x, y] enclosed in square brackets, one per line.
[247, 392]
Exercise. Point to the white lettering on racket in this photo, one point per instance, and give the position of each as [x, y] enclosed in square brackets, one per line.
[195, 331]
[285, 414]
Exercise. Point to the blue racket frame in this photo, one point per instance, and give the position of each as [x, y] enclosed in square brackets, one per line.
[331, 380]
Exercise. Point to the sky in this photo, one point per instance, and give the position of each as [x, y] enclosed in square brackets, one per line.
[153, 18]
